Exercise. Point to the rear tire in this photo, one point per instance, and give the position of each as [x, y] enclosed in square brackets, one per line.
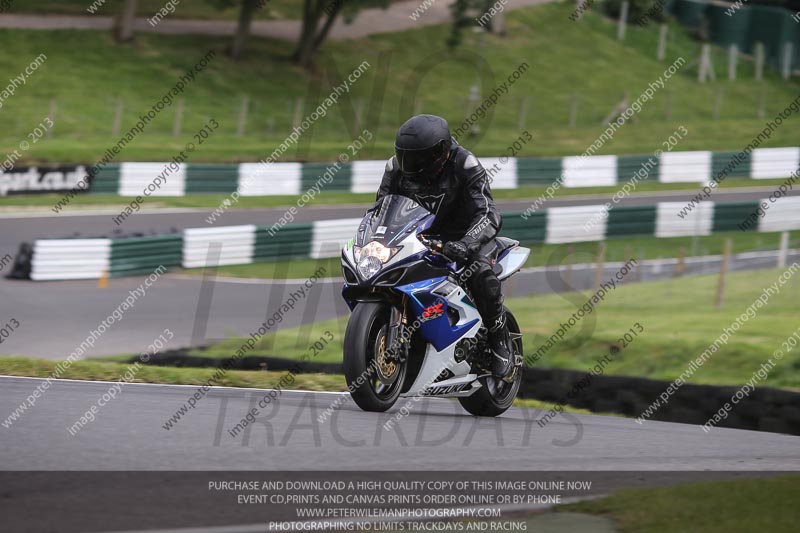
[364, 338]
[495, 395]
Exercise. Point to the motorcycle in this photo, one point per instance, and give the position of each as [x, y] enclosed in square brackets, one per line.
[414, 330]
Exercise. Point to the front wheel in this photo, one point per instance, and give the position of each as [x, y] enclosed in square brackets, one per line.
[374, 382]
[496, 395]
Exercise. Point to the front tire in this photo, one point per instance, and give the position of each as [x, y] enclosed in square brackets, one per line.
[495, 395]
[371, 383]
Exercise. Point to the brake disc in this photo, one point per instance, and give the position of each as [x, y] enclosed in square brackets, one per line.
[387, 370]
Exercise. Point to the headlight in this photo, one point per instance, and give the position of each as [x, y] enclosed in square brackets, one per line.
[369, 266]
[374, 249]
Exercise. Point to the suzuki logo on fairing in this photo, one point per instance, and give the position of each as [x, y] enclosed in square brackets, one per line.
[433, 311]
[436, 391]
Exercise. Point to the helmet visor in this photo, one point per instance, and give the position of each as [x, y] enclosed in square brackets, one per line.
[418, 161]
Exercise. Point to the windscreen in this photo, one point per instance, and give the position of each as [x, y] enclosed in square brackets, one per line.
[395, 218]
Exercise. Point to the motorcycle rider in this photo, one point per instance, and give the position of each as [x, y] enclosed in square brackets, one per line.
[431, 168]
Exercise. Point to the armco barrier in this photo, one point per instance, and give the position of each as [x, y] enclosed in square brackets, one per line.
[136, 177]
[70, 259]
[140, 255]
[257, 179]
[237, 245]
[241, 245]
[226, 245]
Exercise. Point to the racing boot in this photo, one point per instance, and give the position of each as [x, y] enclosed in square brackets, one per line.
[500, 345]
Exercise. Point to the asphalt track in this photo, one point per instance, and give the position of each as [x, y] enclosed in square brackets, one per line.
[128, 434]
[16, 228]
[54, 481]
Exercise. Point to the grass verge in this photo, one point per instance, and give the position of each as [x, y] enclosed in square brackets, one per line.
[678, 317]
[113, 371]
[768, 504]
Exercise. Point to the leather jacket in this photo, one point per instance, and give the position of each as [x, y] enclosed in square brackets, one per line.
[459, 196]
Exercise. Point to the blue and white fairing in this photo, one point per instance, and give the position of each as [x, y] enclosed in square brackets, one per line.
[387, 253]
[445, 316]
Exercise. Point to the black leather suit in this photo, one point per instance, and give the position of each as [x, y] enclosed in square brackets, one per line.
[461, 199]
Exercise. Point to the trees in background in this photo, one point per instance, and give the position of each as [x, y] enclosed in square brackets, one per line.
[466, 14]
[247, 11]
[318, 18]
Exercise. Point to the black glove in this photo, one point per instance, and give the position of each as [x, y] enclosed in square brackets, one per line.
[456, 250]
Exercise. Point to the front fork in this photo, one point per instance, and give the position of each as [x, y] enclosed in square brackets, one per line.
[396, 340]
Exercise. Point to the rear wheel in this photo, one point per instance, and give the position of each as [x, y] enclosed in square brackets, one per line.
[374, 382]
[496, 395]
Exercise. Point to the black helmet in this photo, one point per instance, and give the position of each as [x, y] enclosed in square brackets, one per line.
[422, 145]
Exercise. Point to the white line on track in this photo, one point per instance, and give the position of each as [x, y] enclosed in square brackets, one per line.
[214, 387]
[99, 212]
[157, 210]
[254, 281]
